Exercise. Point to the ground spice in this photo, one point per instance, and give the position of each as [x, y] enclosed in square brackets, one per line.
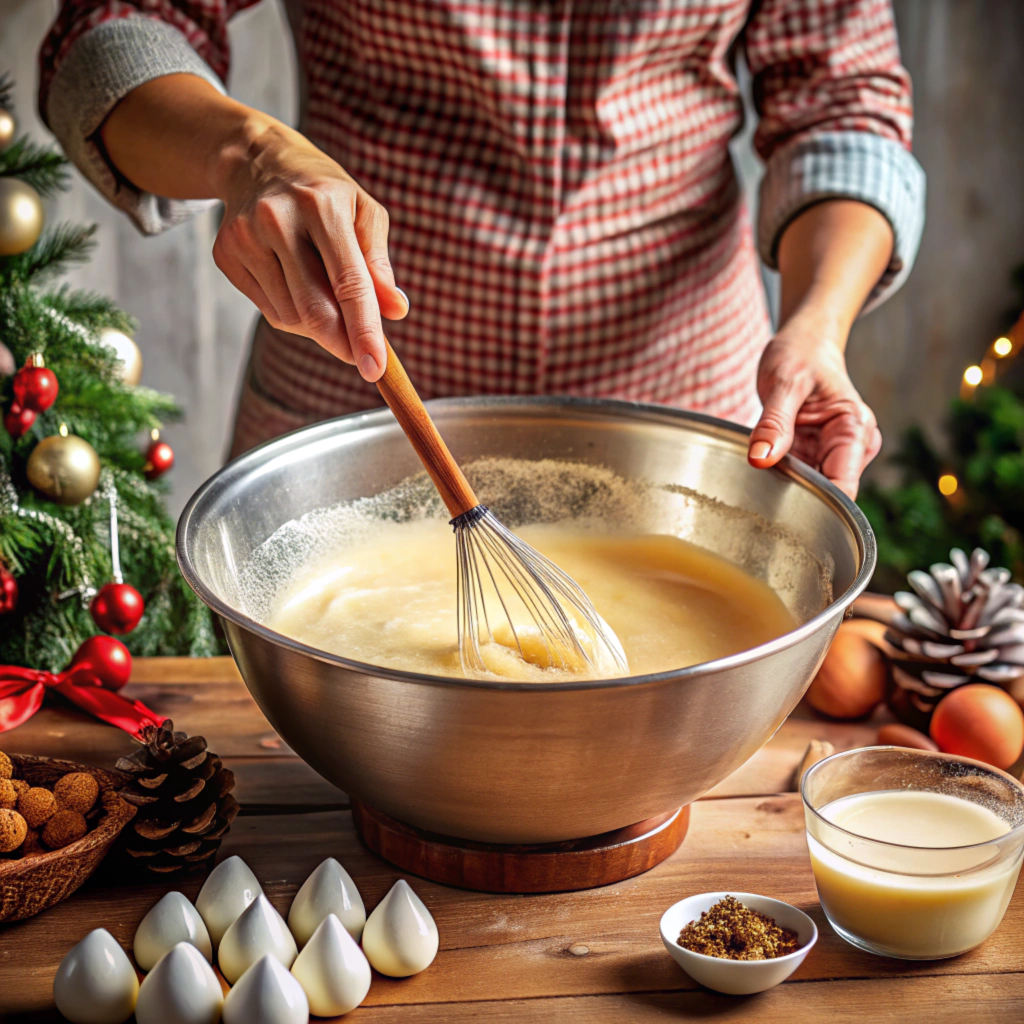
[731, 931]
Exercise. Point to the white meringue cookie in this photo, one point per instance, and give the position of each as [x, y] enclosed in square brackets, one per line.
[96, 983]
[169, 922]
[181, 989]
[258, 930]
[332, 970]
[328, 890]
[400, 937]
[230, 888]
[266, 994]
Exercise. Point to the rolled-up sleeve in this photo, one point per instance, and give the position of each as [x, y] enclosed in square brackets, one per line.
[98, 52]
[835, 120]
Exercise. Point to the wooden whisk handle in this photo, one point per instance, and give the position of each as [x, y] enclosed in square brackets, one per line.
[398, 391]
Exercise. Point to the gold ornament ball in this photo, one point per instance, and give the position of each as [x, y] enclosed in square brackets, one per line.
[7, 128]
[21, 216]
[64, 468]
[127, 351]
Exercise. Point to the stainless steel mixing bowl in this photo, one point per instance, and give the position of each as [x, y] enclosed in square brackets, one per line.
[525, 762]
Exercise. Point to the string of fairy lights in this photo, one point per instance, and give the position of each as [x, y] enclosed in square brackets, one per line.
[999, 355]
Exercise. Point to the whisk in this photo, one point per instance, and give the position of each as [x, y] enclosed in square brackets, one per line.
[550, 606]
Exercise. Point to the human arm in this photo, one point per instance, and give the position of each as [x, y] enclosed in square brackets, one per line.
[841, 214]
[134, 92]
[830, 259]
[299, 237]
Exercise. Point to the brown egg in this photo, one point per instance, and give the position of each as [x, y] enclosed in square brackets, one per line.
[980, 721]
[851, 681]
[898, 735]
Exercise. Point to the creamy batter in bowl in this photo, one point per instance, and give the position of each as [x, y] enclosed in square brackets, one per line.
[390, 600]
[520, 760]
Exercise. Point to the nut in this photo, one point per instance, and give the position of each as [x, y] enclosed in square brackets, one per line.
[8, 794]
[76, 791]
[36, 806]
[63, 828]
[6, 766]
[12, 830]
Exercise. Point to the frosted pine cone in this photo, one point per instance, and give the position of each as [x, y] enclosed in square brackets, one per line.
[963, 623]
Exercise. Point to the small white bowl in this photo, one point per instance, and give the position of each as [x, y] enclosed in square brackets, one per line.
[737, 977]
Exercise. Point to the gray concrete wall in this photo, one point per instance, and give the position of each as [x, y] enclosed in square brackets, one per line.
[906, 357]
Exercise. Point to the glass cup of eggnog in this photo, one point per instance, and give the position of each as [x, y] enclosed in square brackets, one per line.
[915, 854]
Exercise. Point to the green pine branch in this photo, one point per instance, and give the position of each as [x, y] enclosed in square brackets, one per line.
[39, 166]
[915, 525]
[57, 249]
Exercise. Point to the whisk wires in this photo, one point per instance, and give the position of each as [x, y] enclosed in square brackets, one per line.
[551, 601]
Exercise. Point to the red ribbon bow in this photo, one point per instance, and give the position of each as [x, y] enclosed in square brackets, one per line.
[22, 691]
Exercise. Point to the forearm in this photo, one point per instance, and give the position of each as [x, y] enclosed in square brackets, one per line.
[177, 136]
[830, 258]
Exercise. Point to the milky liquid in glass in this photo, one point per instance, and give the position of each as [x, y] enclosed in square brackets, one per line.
[390, 600]
[925, 897]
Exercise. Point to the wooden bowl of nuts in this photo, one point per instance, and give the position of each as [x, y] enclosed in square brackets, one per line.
[58, 819]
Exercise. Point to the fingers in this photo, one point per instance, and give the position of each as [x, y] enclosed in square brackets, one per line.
[241, 277]
[848, 443]
[315, 262]
[783, 394]
[372, 232]
[333, 232]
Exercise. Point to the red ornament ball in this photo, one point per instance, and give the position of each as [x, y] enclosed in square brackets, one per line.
[159, 459]
[8, 591]
[117, 608]
[108, 658]
[35, 387]
[18, 421]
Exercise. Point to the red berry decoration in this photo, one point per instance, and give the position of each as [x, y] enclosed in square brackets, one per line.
[108, 658]
[8, 591]
[35, 387]
[18, 421]
[117, 608]
[159, 457]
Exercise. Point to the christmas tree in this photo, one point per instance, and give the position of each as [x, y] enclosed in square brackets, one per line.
[86, 544]
[967, 492]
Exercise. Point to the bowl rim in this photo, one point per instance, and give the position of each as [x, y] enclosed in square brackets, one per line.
[933, 755]
[791, 467]
[799, 953]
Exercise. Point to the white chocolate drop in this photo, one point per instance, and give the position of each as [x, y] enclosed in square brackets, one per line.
[259, 930]
[266, 994]
[169, 922]
[332, 970]
[230, 888]
[181, 989]
[96, 983]
[328, 890]
[400, 937]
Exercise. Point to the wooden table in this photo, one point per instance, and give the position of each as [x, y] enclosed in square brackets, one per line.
[581, 957]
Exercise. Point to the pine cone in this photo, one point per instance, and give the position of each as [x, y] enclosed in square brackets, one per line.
[964, 623]
[183, 793]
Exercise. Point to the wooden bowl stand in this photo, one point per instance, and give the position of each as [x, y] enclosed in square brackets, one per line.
[543, 867]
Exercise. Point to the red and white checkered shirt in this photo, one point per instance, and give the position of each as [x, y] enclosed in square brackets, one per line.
[565, 215]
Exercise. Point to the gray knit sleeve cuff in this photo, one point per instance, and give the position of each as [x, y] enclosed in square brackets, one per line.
[846, 165]
[100, 69]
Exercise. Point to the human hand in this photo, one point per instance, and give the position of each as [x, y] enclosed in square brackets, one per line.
[307, 245]
[811, 407]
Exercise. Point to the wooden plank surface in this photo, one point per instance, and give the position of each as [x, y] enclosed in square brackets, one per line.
[593, 955]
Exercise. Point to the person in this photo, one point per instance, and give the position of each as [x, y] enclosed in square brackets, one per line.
[550, 181]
